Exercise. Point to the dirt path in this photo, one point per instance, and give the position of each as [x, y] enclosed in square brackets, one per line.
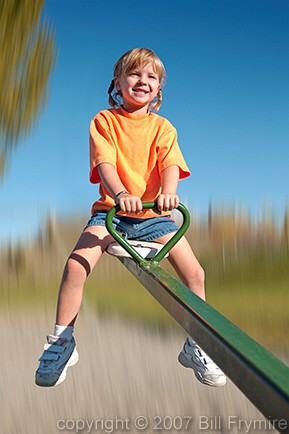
[124, 372]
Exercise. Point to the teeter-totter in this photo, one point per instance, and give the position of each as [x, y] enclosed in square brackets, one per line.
[143, 252]
[261, 376]
[147, 250]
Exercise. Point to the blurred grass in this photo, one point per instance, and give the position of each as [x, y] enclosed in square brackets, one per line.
[248, 282]
[259, 307]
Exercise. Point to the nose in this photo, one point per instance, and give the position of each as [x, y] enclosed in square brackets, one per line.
[142, 80]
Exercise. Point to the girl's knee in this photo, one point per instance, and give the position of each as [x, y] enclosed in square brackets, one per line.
[76, 268]
[196, 276]
[201, 273]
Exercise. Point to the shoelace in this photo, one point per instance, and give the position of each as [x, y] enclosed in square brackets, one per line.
[204, 358]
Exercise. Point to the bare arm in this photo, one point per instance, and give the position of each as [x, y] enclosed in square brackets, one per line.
[168, 199]
[127, 202]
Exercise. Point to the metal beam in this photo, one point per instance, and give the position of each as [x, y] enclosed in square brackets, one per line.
[262, 377]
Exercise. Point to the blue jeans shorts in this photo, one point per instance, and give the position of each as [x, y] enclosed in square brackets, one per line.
[132, 228]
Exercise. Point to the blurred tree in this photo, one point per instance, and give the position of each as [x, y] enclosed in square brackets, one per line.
[286, 229]
[27, 57]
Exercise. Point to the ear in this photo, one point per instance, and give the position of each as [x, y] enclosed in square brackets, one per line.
[116, 83]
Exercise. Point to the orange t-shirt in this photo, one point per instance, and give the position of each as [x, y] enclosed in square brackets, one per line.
[140, 147]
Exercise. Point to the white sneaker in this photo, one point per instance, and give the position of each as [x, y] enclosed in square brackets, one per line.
[59, 353]
[206, 371]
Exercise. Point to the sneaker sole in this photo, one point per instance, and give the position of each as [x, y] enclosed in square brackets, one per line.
[184, 361]
[71, 362]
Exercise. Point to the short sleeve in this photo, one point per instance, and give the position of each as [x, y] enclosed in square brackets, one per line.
[102, 148]
[169, 153]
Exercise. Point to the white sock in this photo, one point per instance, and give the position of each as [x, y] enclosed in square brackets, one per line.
[63, 331]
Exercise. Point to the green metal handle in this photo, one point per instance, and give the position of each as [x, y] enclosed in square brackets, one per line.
[165, 249]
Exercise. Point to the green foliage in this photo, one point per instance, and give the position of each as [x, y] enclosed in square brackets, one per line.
[26, 60]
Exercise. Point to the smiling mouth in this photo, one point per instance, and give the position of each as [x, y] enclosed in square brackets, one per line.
[140, 91]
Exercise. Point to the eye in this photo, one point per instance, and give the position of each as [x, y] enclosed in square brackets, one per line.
[152, 75]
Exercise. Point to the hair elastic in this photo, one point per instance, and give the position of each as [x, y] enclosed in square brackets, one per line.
[119, 194]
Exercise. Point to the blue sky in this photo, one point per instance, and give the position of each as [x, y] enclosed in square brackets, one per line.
[227, 94]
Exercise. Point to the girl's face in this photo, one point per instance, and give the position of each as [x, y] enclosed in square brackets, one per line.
[138, 88]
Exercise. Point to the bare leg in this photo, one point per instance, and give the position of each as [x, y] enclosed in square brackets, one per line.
[186, 265]
[192, 274]
[92, 243]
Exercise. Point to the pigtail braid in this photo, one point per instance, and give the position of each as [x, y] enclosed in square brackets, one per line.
[111, 100]
[155, 105]
[160, 98]
[111, 87]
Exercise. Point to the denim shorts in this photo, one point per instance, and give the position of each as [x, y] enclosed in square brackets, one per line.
[132, 228]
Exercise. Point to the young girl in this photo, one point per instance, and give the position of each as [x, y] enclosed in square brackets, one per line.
[135, 158]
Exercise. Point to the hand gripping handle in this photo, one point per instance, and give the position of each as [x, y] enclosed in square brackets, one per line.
[165, 249]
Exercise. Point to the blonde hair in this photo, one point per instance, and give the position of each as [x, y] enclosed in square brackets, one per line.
[131, 60]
